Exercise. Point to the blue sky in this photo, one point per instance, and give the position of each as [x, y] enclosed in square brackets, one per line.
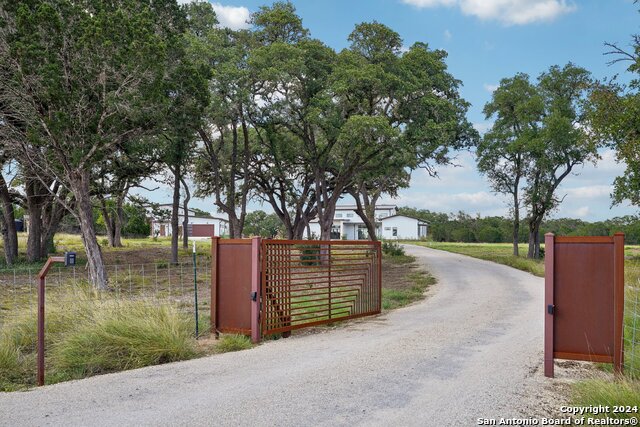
[486, 40]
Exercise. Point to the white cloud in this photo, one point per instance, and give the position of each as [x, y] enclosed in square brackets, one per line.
[447, 35]
[490, 88]
[589, 192]
[234, 17]
[510, 12]
[482, 127]
[582, 212]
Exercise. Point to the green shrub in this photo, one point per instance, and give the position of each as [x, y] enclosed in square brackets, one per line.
[606, 393]
[126, 335]
[309, 254]
[93, 335]
[230, 343]
[392, 249]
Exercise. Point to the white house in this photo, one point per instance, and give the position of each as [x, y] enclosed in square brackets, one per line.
[161, 224]
[390, 225]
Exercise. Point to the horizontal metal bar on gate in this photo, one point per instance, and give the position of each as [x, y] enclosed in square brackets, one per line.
[316, 265]
[298, 258]
[324, 298]
[309, 317]
[303, 313]
[295, 279]
[335, 316]
[584, 239]
[267, 242]
[319, 322]
[313, 291]
[318, 252]
[599, 358]
[326, 303]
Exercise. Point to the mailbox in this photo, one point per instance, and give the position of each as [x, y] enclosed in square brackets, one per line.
[69, 259]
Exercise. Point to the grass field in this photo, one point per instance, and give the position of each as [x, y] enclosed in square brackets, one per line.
[625, 390]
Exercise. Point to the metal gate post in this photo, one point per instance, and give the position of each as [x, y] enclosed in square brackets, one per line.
[618, 302]
[255, 289]
[42, 276]
[214, 286]
[549, 308]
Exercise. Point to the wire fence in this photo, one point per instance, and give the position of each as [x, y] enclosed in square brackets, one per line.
[153, 283]
[632, 316]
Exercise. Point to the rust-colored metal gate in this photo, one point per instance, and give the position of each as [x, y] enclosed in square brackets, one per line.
[584, 299]
[264, 287]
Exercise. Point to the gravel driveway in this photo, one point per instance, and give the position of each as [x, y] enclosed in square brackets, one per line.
[472, 349]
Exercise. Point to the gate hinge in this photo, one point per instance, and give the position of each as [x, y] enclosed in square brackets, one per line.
[254, 296]
[551, 309]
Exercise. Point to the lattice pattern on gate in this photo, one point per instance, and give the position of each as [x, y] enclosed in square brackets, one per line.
[306, 282]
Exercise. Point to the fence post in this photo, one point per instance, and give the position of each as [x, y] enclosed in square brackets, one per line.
[618, 302]
[255, 289]
[214, 286]
[42, 277]
[549, 308]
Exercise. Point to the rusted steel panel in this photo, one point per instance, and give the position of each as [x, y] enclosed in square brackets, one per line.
[584, 298]
[233, 286]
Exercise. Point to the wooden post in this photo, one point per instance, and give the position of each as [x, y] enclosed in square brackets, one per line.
[255, 289]
[618, 302]
[214, 286]
[549, 307]
[42, 277]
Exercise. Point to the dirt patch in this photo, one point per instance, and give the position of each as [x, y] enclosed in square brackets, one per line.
[396, 276]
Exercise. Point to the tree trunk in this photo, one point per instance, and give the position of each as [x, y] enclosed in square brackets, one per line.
[235, 231]
[50, 228]
[34, 207]
[534, 240]
[97, 271]
[325, 227]
[516, 224]
[185, 221]
[108, 223]
[174, 215]
[118, 219]
[9, 232]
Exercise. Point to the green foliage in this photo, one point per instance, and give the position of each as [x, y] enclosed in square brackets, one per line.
[309, 254]
[229, 343]
[136, 223]
[93, 336]
[259, 223]
[125, 336]
[465, 228]
[396, 298]
[599, 392]
[392, 249]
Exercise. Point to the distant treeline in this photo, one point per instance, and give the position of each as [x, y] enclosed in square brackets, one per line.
[462, 227]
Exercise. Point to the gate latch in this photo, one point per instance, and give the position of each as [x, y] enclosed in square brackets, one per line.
[254, 296]
[551, 309]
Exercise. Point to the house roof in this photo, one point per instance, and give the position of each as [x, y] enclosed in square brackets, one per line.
[192, 213]
[353, 207]
[405, 216]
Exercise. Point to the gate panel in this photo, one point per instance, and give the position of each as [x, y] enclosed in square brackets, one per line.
[231, 285]
[306, 282]
[584, 298]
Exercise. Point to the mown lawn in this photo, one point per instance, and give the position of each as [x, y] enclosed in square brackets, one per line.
[623, 391]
